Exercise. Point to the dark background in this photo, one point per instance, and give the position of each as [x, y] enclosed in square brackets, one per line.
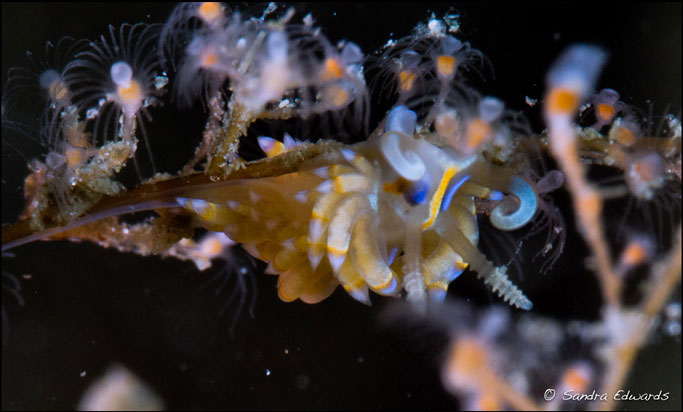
[86, 308]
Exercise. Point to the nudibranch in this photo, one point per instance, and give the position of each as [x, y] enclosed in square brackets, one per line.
[396, 212]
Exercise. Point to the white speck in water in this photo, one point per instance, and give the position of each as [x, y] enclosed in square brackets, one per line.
[531, 102]
[91, 113]
[308, 20]
[160, 82]
[672, 328]
[673, 310]
[302, 381]
[267, 372]
[83, 373]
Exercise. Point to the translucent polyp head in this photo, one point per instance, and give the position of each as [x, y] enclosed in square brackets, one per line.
[448, 125]
[606, 106]
[51, 81]
[129, 94]
[645, 174]
[490, 109]
[572, 76]
[448, 60]
[121, 74]
[48, 78]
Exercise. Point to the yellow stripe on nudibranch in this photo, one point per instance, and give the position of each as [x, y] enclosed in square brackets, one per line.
[437, 266]
[339, 231]
[339, 252]
[318, 226]
[435, 202]
[352, 282]
[350, 183]
[211, 213]
[368, 259]
[324, 207]
[396, 187]
[361, 163]
[270, 146]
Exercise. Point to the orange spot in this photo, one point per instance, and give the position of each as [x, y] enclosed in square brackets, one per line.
[209, 11]
[562, 101]
[488, 402]
[634, 254]
[58, 90]
[624, 136]
[478, 131]
[78, 138]
[406, 80]
[446, 124]
[132, 94]
[212, 247]
[396, 187]
[590, 203]
[605, 111]
[74, 157]
[338, 96]
[209, 58]
[646, 170]
[468, 357]
[445, 65]
[576, 379]
[332, 69]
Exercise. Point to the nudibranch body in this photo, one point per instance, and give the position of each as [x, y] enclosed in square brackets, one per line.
[395, 212]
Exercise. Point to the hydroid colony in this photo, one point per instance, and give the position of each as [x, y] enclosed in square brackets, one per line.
[413, 185]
